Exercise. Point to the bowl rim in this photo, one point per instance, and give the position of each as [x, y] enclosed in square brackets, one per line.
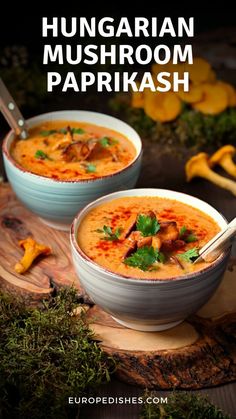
[6, 151]
[113, 275]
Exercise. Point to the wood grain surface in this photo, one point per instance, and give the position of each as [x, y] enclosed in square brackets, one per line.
[198, 353]
[17, 223]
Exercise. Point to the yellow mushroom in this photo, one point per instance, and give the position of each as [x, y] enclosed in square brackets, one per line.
[32, 251]
[224, 158]
[162, 106]
[214, 99]
[198, 166]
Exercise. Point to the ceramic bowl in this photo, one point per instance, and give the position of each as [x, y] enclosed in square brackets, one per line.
[148, 305]
[57, 202]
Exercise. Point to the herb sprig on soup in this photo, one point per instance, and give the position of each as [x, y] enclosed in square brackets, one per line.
[73, 151]
[146, 237]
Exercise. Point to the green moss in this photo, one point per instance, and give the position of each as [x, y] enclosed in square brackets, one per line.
[46, 356]
[191, 129]
[182, 405]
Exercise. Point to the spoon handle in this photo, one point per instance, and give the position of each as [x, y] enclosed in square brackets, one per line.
[11, 112]
[220, 242]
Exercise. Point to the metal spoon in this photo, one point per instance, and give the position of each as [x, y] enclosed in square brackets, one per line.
[218, 244]
[12, 113]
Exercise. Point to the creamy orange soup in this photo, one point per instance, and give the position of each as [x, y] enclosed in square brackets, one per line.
[146, 237]
[73, 151]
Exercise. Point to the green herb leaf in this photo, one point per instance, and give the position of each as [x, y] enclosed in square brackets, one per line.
[190, 255]
[187, 235]
[147, 225]
[182, 231]
[63, 130]
[77, 131]
[161, 257]
[144, 258]
[46, 133]
[107, 142]
[41, 155]
[91, 168]
[191, 238]
[109, 235]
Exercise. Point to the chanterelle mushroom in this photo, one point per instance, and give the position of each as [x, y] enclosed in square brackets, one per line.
[198, 166]
[32, 250]
[224, 158]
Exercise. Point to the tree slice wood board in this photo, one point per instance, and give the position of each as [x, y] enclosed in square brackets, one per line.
[55, 270]
[200, 352]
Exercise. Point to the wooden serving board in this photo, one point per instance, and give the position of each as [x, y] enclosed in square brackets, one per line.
[200, 352]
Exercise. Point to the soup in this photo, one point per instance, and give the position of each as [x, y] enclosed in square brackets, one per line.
[73, 151]
[146, 237]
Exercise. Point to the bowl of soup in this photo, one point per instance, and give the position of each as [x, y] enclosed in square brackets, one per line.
[134, 254]
[69, 159]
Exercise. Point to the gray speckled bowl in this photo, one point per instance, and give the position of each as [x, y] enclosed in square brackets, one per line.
[57, 202]
[148, 305]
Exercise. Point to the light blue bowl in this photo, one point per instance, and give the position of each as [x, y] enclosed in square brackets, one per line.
[57, 202]
[151, 304]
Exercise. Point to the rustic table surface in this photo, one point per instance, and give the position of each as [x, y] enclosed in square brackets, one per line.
[165, 170]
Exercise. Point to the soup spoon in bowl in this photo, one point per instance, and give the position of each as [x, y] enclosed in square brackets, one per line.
[218, 243]
[11, 112]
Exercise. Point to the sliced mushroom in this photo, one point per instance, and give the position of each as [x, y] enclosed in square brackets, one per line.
[144, 241]
[135, 241]
[62, 143]
[176, 261]
[168, 231]
[156, 242]
[129, 226]
[130, 244]
[149, 213]
[79, 150]
[172, 245]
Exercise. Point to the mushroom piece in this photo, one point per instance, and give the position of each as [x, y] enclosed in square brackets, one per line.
[79, 150]
[144, 241]
[32, 251]
[63, 142]
[135, 241]
[156, 242]
[177, 262]
[168, 231]
[198, 166]
[224, 158]
[129, 226]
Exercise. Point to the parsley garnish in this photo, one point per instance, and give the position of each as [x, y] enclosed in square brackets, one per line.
[191, 238]
[144, 258]
[109, 234]
[187, 235]
[147, 225]
[107, 142]
[91, 168]
[46, 133]
[63, 130]
[182, 231]
[190, 255]
[77, 131]
[41, 155]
